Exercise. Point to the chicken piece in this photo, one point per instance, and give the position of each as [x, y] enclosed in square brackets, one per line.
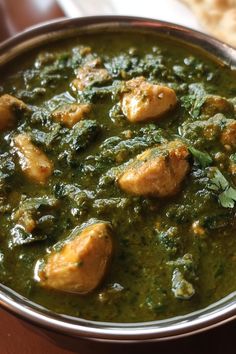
[34, 163]
[9, 105]
[25, 219]
[156, 172]
[232, 168]
[197, 229]
[32, 211]
[81, 264]
[216, 128]
[91, 73]
[142, 101]
[216, 104]
[228, 136]
[70, 114]
[211, 129]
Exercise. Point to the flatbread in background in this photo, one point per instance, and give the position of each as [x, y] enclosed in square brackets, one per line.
[217, 16]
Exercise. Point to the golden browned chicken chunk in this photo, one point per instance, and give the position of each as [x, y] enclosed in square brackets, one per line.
[91, 73]
[216, 104]
[217, 128]
[70, 114]
[228, 136]
[81, 264]
[25, 219]
[33, 212]
[156, 172]
[34, 163]
[144, 101]
[232, 169]
[9, 105]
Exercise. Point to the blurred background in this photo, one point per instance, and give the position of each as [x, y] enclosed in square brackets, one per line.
[15, 16]
[18, 15]
[216, 17]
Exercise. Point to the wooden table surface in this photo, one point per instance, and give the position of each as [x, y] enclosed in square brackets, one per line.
[15, 337]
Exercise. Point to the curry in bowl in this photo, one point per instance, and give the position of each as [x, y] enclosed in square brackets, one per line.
[118, 177]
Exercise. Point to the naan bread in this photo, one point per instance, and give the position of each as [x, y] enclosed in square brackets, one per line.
[217, 16]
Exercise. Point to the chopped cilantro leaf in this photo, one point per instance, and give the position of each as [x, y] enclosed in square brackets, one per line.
[228, 198]
[219, 183]
[233, 158]
[194, 101]
[203, 158]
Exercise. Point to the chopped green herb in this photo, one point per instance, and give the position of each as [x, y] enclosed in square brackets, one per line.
[194, 102]
[219, 183]
[181, 288]
[228, 198]
[233, 158]
[203, 158]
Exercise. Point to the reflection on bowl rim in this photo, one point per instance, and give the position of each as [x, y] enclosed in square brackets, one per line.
[195, 322]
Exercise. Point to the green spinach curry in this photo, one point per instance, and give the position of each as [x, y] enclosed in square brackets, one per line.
[118, 177]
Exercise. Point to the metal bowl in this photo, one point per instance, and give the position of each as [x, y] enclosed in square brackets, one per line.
[214, 315]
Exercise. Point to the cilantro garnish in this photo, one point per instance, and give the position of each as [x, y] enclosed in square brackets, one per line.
[203, 158]
[233, 158]
[218, 183]
[195, 100]
[228, 198]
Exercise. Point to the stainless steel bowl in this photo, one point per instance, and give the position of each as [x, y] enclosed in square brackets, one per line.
[214, 315]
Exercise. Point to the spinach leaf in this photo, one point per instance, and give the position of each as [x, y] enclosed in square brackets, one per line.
[72, 191]
[7, 166]
[48, 139]
[59, 100]
[217, 220]
[195, 100]
[169, 239]
[193, 104]
[82, 134]
[115, 146]
[33, 210]
[38, 203]
[20, 237]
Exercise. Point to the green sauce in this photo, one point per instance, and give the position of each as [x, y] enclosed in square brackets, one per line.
[174, 255]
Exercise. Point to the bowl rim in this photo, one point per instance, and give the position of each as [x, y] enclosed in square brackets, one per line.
[219, 312]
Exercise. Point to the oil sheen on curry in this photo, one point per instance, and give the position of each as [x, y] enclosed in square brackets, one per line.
[118, 177]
